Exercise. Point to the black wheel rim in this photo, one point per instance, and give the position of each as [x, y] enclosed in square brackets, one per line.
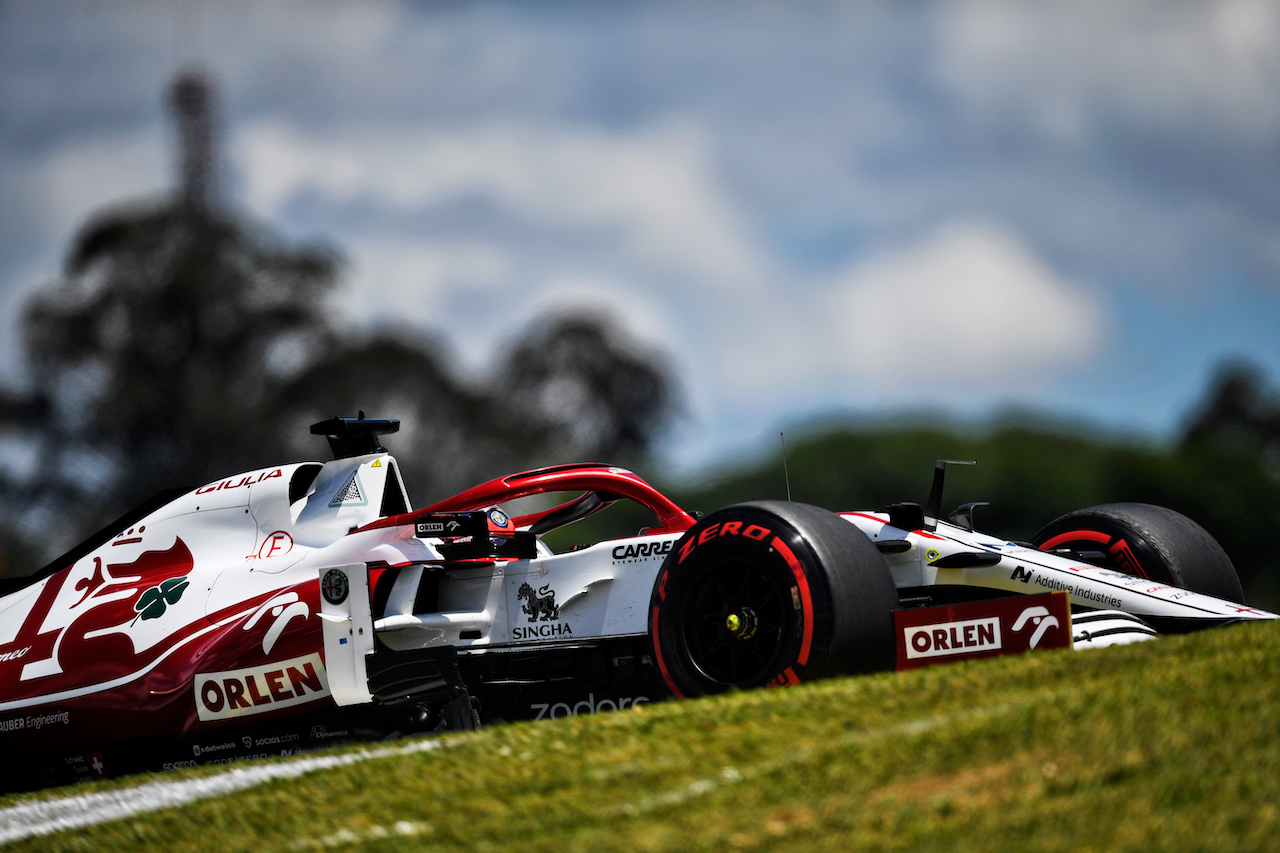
[734, 622]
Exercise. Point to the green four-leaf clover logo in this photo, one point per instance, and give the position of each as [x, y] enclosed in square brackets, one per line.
[152, 603]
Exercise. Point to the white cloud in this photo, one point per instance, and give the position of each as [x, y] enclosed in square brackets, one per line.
[89, 174]
[970, 307]
[966, 313]
[637, 312]
[633, 224]
[656, 189]
[406, 280]
[1156, 63]
[50, 194]
[702, 173]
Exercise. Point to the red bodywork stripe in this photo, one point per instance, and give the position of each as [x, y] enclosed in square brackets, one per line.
[867, 516]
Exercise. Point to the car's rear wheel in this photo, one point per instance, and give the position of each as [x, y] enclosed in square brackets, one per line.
[1146, 541]
[770, 593]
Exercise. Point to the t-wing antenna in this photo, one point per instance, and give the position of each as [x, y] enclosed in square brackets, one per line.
[355, 436]
[933, 508]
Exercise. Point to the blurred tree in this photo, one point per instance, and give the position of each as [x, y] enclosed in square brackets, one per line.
[1033, 471]
[164, 346]
[159, 355]
[588, 389]
[1239, 413]
[184, 343]
[451, 435]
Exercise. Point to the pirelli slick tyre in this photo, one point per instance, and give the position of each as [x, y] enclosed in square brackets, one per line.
[1146, 541]
[769, 594]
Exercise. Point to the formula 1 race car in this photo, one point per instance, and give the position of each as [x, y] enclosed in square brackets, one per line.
[286, 609]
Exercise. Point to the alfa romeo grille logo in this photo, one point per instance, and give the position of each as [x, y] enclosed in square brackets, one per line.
[335, 586]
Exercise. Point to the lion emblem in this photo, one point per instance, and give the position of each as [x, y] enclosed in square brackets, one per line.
[539, 606]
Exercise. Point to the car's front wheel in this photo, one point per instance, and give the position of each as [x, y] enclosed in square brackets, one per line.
[770, 593]
[1145, 541]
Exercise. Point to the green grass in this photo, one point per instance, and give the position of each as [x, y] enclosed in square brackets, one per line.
[1169, 745]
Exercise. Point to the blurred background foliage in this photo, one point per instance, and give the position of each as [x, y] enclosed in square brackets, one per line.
[1031, 471]
[185, 342]
[1223, 472]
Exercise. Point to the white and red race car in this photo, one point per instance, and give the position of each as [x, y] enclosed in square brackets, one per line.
[286, 609]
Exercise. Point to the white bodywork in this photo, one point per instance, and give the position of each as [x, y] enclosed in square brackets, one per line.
[603, 590]
[1027, 570]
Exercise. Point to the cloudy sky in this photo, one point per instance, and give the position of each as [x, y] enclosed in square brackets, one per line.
[810, 207]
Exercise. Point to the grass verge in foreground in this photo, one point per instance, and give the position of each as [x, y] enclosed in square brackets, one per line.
[1171, 744]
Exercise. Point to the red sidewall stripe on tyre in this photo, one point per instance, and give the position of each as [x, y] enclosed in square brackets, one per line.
[806, 611]
[1075, 536]
[657, 653]
[1120, 550]
[806, 601]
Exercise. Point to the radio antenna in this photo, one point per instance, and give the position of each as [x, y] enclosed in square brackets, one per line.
[785, 476]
